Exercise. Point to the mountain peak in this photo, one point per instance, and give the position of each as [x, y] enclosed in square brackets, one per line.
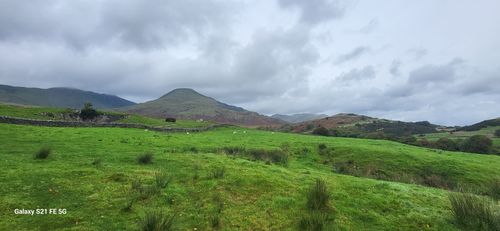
[183, 92]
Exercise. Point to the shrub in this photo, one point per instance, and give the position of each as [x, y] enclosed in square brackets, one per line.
[156, 220]
[473, 212]
[446, 144]
[145, 158]
[43, 153]
[170, 120]
[497, 133]
[316, 221]
[477, 144]
[218, 172]
[321, 131]
[162, 179]
[88, 113]
[318, 196]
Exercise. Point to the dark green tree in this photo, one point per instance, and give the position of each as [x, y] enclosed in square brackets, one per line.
[88, 112]
[497, 133]
[477, 144]
[446, 144]
[321, 131]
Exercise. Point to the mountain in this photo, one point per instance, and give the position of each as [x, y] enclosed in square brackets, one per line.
[59, 97]
[353, 125]
[297, 118]
[481, 125]
[186, 103]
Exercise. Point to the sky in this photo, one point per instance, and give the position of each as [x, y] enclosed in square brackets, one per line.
[414, 60]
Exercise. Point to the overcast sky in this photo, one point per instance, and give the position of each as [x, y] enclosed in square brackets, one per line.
[435, 60]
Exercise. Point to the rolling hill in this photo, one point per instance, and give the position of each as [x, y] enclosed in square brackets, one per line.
[186, 103]
[353, 125]
[59, 97]
[297, 118]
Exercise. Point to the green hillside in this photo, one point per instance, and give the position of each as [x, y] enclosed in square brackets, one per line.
[59, 97]
[215, 183]
[488, 131]
[46, 113]
[297, 118]
[189, 104]
[360, 126]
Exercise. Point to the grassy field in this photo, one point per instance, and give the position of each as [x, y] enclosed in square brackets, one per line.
[91, 173]
[44, 113]
[487, 131]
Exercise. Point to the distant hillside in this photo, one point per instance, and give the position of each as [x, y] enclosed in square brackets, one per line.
[59, 97]
[352, 125]
[188, 104]
[297, 118]
[481, 125]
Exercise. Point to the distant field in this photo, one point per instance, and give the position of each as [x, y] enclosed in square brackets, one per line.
[256, 195]
[44, 113]
[487, 131]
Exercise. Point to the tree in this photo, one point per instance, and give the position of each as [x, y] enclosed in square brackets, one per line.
[88, 112]
[170, 120]
[322, 131]
[497, 133]
[446, 144]
[477, 144]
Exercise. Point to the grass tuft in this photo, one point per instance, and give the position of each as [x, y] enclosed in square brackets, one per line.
[274, 156]
[318, 196]
[316, 221]
[156, 220]
[43, 153]
[495, 189]
[473, 212]
[162, 179]
[97, 162]
[218, 172]
[145, 158]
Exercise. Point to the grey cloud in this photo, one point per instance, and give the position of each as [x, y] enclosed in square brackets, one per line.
[82, 24]
[262, 55]
[394, 69]
[354, 54]
[418, 53]
[316, 11]
[370, 27]
[355, 74]
[435, 74]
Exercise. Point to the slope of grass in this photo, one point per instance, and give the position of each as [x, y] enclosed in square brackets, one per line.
[135, 119]
[255, 195]
[29, 112]
[488, 131]
[44, 113]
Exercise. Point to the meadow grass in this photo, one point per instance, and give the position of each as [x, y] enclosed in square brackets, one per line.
[255, 195]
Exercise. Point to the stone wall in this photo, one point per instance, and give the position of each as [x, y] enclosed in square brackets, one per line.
[55, 123]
